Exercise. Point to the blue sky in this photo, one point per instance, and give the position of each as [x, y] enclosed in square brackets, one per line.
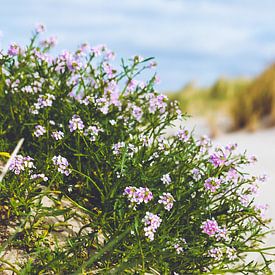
[196, 40]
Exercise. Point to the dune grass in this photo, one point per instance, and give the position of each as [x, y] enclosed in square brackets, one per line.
[210, 102]
[249, 104]
[255, 106]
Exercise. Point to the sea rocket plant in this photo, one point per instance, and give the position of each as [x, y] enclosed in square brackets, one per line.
[191, 205]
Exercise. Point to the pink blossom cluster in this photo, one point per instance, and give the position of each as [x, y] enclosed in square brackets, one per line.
[166, 179]
[215, 253]
[14, 49]
[167, 200]
[157, 103]
[232, 175]
[76, 123]
[221, 156]
[39, 176]
[183, 135]
[42, 102]
[20, 163]
[70, 61]
[137, 112]
[62, 165]
[110, 98]
[117, 147]
[92, 132]
[211, 228]
[212, 184]
[152, 223]
[138, 195]
[57, 135]
[39, 130]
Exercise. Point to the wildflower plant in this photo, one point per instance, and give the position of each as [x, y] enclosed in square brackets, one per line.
[96, 152]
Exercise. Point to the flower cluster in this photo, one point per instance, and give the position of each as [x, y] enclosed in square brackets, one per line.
[14, 49]
[57, 135]
[39, 176]
[166, 179]
[179, 245]
[167, 200]
[20, 163]
[196, 174]
[62, 165]
[138, 195]
[92, 132]
[42, 102]
[157, 103]
[183, 135]
[212, 184]
[215, 253]
[152, 223]
[211, 228]
[39, 130]
[221, 156]
[75, 123]
[118, 147]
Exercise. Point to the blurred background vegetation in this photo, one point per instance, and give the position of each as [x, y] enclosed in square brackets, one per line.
[243, 103]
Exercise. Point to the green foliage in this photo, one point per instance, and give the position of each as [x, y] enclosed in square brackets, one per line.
[104, 189]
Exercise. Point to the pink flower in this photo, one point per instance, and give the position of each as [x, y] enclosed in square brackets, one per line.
[167, 200]
[137, 112]
[132, 85]
[97, 50]
[212, 184]
[182, 135]
[152, 223]
[20, 163]
[62, 165]
[166, 179]
[76, 123]
[138, 195]
[244, 200]
[49, 42]
[210, 227]
[39, 130]
[13, 50]
[215, 253]
[40, 28]
[57, 135]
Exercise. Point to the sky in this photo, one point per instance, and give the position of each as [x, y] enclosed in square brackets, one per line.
[198, 40]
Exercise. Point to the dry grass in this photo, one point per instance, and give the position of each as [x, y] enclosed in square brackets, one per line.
[249, 104]
[255, 106]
